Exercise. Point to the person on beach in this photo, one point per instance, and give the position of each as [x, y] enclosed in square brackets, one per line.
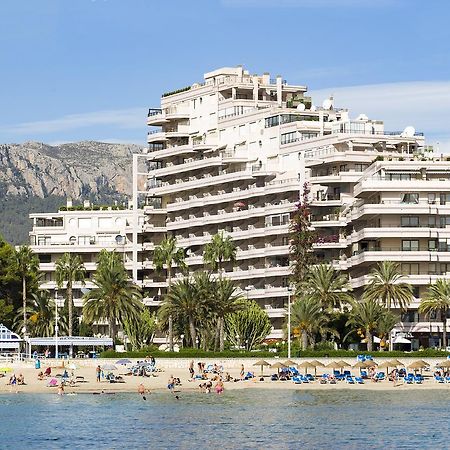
[219, 387]
[171, 384]
[191, 368]
[61, 389]
[99, 373]
[242, 372]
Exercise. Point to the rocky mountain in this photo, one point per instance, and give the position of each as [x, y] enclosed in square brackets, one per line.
[36, 177]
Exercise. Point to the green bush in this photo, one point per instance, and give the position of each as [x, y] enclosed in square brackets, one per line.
[166, 94]
[95, 208]
[62, 208]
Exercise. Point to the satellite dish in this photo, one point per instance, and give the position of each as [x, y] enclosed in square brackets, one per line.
[408, 132]
[301, 107]
[313, 107]
[120, 240]
[362, 117]
[327, 103]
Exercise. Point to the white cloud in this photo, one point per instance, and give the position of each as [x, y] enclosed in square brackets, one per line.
[422, 104]
[131, 118]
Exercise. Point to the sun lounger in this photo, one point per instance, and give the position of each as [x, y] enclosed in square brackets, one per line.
[53, 382]
[439, 379]
[349, 379]
[418, 379]
[297, 380]
[380, 376]
[364, 374]
[359, 380]
[310, 377]
[447, 379]
[409, 379]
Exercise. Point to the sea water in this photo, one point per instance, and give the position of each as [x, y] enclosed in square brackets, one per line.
[240, 419]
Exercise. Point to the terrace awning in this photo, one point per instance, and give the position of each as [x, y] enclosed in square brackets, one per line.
[79, 341]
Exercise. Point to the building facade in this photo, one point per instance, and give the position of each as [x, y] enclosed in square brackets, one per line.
[231, 155]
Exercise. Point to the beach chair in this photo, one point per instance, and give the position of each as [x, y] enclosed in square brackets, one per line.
[310, 377]
[249, 376]
[418, 379]
[409, 379]
[294, 371]
[274, 377]
[324, 379]
[364, 374]
[297, 380]
[380, 376]
[447, 379]
[304, 378]
[359, 380]
[336, 373]
[209, 368]
[439, 379]
[53, 382]
[349, 379]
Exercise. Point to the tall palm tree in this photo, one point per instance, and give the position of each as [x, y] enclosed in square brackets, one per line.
[166, 255]
[437, 299]
[182, 301]
[226, 301]
[69, 269]
[309, 318]
[386, 323]
[386, 288]
[26, 263]
[365, 315]
[219, 250]
[115, 298]
[328, 287]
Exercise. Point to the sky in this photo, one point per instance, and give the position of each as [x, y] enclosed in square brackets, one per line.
[76, 70]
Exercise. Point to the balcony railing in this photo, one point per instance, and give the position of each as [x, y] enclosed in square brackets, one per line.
[154, 112]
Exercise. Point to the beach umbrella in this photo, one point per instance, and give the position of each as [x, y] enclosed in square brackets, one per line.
[370, 363]
[305, 365]
[314, 363]
[261, 363]
[278, 366]
[6, 369]
[360, 365]
[395, 363]
[386, 364]
[290, 363]
[445, 363]
[123, 362]
[109, 367]
[416, 365]
[334, 365]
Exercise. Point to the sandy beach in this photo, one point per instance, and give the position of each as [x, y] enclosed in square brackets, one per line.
[179, 368]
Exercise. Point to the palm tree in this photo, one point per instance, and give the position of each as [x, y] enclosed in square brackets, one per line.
[226, 301]
[115, 298]
[165, 256]
[219, 250]
[182, 301]
[365, 315]
[386, 288]
[437, 299]
[69, 269]
[308, 317]
[328, 287]
[26, 263]
[386, 323]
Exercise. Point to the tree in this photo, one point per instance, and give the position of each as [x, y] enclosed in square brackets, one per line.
[219, 250]
[250, 326]
[302, 239]
[6, 312]
[365, 315]
[309, 318]
[165, 256]
[437, 299]
[386, 323]
[386, 288]
[69, 269]
[226, 301]
[26, 264]
[141, 332]
[115, 298]
[328, 287]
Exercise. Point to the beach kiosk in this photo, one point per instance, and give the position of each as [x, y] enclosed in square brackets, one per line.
[9, 341]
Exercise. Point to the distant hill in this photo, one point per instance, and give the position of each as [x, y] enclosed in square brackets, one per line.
[36, 177]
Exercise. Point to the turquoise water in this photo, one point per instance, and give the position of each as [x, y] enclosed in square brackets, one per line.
[236, 420]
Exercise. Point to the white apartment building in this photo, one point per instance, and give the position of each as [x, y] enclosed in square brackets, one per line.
[85, 232]
[232, 153]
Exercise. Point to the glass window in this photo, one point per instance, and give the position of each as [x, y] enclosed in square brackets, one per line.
[410, 246]
[410, 221]
[432, 245]
[431, 198]
[272, 121]
[411, 197]
[286, 138]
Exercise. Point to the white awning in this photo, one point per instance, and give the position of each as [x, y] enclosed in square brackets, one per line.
[401, 340]
[79, 341]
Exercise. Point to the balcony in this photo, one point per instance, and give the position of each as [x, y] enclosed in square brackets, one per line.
[156, 136]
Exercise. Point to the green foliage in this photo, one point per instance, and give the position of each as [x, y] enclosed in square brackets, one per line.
[115, 298]
[247, 327]
[178, 91]
[141, 331]
[219, 250]
[302, 239]
[6, 313]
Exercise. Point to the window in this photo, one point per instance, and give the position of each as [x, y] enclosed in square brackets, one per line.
[398, 176]
[410, 269]
[432, 221]
[410, 246]
[410, 198]
[360, 167]
[444, 198]
[410, 221]
[45, 258]
[85, 240]
[44, 240]
[431, 198]
[286, 138]
[432, 245]
[272, 121]
[432, 269]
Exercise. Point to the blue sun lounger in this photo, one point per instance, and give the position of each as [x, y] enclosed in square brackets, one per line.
[359, 380]
[297, 380]
[439, 379]
[349, 379]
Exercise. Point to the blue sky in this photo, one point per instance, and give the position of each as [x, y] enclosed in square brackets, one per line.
[88, 69]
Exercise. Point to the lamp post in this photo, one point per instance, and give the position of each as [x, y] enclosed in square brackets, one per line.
[182, 339]
[56, 323]
[289, 290]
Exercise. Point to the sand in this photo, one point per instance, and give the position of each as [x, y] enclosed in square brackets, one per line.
[159, 381]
